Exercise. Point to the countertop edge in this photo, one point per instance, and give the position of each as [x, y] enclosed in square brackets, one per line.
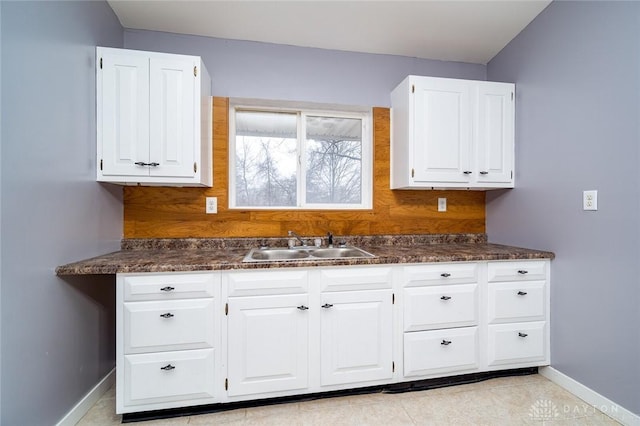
[189, 260]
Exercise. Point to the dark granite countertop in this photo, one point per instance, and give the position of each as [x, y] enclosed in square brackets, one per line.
[180, 255]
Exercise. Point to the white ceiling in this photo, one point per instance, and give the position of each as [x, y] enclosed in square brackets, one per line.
[467, 31]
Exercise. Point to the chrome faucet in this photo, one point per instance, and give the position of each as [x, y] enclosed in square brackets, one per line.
[297, 237]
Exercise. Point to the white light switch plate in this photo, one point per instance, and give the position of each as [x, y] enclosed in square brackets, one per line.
[442, 204]
[590, 200]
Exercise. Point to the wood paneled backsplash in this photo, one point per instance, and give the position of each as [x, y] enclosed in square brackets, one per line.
[155, 212]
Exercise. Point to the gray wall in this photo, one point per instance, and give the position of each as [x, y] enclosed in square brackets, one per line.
[57, 335]
[577, 69]
[272, 71]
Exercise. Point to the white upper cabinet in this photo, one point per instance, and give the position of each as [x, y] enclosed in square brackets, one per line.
[153, 118]
[449, 133]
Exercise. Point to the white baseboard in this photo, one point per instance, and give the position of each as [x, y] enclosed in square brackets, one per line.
[590, 396]
[85, 404]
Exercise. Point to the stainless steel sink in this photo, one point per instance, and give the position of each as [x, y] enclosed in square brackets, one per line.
[270, 254]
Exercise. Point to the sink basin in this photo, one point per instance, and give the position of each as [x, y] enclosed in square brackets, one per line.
[304, 253]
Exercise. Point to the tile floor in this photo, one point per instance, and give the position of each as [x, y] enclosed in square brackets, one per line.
[523, 400]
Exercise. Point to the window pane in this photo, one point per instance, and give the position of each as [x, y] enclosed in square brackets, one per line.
[334, 160]
[266, 144]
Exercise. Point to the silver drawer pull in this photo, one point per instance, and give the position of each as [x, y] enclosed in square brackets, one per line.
[445, 298]
[167, 367]
[303, 308]
[484, 173]
[522, 293]
[167, 288]
[523, 272]
[327, 305]
[167, 315]
[445, 275]
[522, 334]
[445, 342]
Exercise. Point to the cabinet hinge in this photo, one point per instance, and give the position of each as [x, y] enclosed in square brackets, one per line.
[511, 95]
[195, 71]
[511, 174]
[393, 367]
[226, 309]
[393, 298]
[100, 63]
[413, 88]
[101, 164]
[226, 384]
[195, 167]
[413, 172]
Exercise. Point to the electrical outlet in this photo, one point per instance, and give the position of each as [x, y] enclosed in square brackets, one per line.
[590, 200]
[442, 204]
[212, 205]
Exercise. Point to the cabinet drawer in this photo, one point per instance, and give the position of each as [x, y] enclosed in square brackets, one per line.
[258, 283]
[517, 343]
[440, 351]
[514, 302]
[517, 271]
[168, 325]
[427, 308]
[168, 376]
[347, 279]
[168, 286]
[441, 273]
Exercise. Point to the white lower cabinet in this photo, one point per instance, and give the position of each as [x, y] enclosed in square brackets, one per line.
[167, 340]
[517, 331]
[267, 344]
[440, 319]
[186, 339]
[355, 337]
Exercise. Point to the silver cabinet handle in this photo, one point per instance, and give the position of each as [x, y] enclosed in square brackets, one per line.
[167, 367]
[523, 272]
[303, 308]
[467, 172]
[142, 163]
[445, 275]
[327, 305]
[484, 173]
[522, 334]
[445, 298]
[167, 315]
[522, 293]
[445, 342]
[167, 288]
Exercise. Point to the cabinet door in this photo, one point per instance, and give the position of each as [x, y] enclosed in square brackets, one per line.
[123, 114]
[356, 330]
[494, 132]
[172, 116]
[267, 344]
[441, 131]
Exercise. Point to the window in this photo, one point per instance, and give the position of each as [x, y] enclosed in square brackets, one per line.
[284, 158]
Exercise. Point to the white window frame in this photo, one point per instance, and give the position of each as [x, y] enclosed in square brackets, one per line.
[302, 110]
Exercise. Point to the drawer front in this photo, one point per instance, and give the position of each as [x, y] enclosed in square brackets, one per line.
[427, 308]
[168, 286]
[168, 325]
[517, 343]
[348, 279]
[440, 351]
[528, 270]
[441, 273]
[516, 302]
[258, 283]
[168, 376]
